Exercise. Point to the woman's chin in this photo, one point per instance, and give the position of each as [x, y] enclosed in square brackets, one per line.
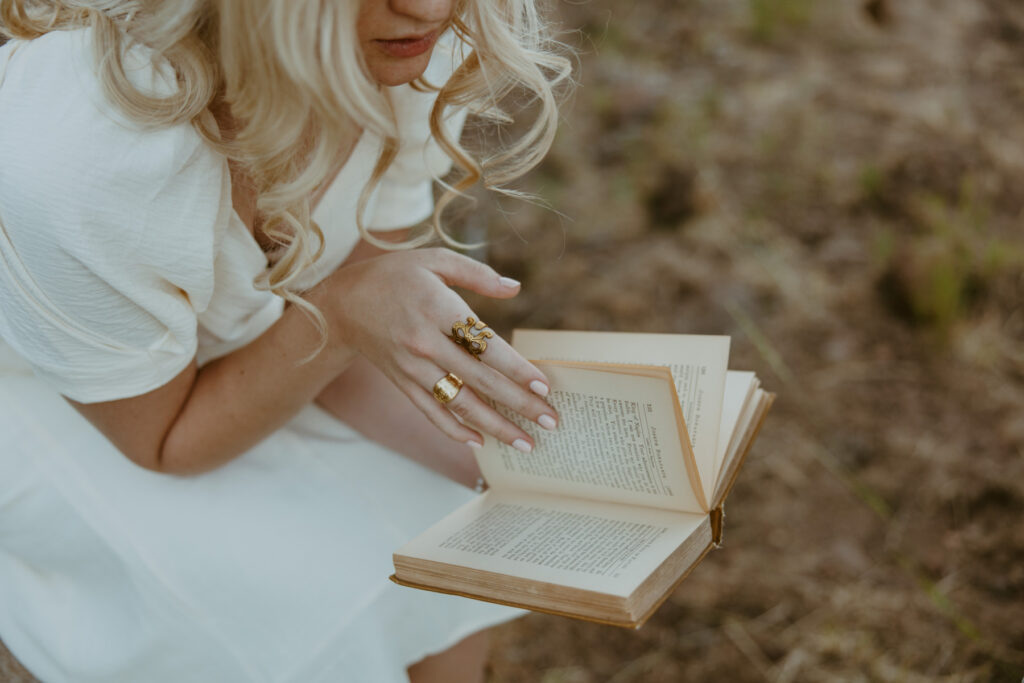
[398, 71]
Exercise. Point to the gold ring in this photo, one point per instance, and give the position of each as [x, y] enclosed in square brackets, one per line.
[471, 334]
[447, 388]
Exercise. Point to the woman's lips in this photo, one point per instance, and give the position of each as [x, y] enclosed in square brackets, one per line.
[408, 47]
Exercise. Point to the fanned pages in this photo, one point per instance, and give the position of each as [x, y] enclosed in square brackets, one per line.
[618, 440]
[612, 510]
[698, 364]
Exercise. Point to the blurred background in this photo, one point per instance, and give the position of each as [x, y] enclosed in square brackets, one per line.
[837, 185]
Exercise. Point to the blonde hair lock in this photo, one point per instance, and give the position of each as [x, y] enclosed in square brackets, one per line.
[297, 88]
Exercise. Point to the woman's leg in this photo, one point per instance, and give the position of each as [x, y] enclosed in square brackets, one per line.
[363, 398]
[464, 662]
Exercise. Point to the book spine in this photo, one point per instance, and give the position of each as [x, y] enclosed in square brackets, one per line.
[717, 522]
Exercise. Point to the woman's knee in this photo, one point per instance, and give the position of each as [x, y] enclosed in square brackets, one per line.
[465, 662]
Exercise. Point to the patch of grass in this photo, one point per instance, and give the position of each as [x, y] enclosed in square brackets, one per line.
[873, 184]
[768, 17]
[884, 246]
[680, 133]
[933, 276]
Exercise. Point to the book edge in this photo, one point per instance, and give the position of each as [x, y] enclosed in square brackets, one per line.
[634, 623]
[507, 603]
[719, 501]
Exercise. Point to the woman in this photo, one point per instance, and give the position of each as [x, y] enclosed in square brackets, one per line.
[194, 281]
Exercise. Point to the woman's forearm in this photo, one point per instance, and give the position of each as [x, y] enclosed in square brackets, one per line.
[393, 311]
[363, 398]
[240, 399]
[206, 417]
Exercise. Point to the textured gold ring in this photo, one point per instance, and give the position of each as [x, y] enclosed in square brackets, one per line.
[471, 335]
[447, 388]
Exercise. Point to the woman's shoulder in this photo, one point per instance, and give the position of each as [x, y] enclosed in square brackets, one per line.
[73, 162]
[111, 230]
[58, 72]
[53, 103]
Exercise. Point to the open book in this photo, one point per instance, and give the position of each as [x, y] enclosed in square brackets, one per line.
[611, 510]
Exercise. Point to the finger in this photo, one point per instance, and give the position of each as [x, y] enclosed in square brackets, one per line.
[468, 406]
[441, 417]
[472, 410]
[499, 355]
[457, 270]
[492, 383]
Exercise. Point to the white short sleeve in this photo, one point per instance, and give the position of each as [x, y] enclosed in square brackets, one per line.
[108, 232]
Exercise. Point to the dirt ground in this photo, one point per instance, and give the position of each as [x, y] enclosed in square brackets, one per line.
[834, 183]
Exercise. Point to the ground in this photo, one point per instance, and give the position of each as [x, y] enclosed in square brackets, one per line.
[834, 184]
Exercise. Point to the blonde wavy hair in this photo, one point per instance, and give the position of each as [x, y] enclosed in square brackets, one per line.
[297, 87]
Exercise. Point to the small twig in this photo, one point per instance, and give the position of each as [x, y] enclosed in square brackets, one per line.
[749, 647]
[790, 666]
[638, 666]
[762, 344]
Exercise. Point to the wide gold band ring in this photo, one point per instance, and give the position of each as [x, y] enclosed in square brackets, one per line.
[447, 388]
[471, 335]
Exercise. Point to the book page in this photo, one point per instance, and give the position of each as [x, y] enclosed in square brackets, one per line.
[583, 544]
[618, 440]
[698, 364]
[750, 421]
[739, 393]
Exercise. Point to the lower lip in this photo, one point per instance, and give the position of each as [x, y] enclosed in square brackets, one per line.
[408, 48]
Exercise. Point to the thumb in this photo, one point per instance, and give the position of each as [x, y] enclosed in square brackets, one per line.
[457, 270]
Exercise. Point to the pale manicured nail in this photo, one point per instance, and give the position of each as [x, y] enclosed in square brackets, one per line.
[508, 282]
[474, 444]
[522, 445]
[539, 388]
[547, 422]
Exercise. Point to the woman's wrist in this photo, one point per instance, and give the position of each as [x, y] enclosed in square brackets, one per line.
[336, 351]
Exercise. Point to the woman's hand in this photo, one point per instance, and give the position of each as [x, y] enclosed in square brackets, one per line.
[398, 310]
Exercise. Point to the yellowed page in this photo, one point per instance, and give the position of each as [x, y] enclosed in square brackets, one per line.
[583, 544]
[746, 429]
[617, 440]
[698, 364]
[739, 397]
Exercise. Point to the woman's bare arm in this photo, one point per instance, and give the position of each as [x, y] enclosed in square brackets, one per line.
[204, 417]
[364, 399]
[392, 310]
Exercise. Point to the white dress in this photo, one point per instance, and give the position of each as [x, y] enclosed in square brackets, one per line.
[120, 259]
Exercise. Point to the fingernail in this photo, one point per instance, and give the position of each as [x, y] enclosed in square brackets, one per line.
[474, 444]
[547, 422]
[508, 282]
[522, 445]
[539, 388]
